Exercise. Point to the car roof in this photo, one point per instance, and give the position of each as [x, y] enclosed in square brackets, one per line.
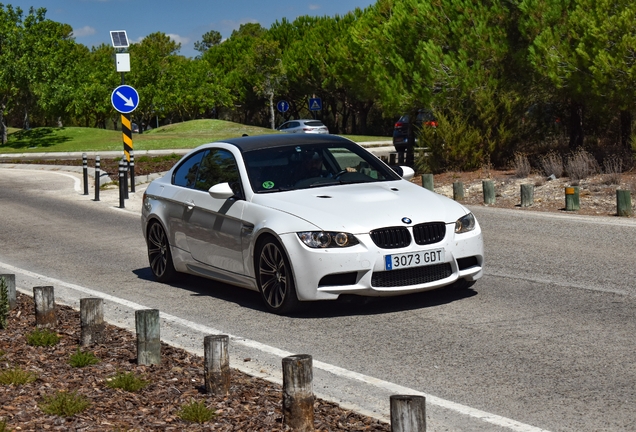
[249, 143]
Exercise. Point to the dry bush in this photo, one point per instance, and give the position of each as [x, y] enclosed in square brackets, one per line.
[613, 169]
[521, 165]
[552, 163]
[580, 165]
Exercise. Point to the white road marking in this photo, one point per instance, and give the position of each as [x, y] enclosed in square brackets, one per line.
[338, 371]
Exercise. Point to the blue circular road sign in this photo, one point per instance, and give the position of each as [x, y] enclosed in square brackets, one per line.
[125, 99]
[282, 106]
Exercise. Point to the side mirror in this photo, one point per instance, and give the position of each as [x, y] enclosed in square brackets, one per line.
[221, 191]
[405, 172]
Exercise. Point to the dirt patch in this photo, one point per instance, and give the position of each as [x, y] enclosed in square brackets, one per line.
[597, 195]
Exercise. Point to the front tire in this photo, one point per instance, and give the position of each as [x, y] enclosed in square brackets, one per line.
[159, 255]
[274, 277]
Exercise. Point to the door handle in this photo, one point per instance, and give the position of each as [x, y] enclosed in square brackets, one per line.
[190, 205]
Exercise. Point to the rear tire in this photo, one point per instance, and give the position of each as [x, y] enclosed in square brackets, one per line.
[274, 277]
[159, 255]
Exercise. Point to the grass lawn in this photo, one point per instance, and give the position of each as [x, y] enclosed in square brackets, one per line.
[176, 136]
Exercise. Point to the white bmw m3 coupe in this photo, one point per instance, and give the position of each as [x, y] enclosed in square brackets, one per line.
[303, 218]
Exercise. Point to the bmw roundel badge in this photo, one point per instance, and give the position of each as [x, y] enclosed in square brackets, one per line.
[406, 220]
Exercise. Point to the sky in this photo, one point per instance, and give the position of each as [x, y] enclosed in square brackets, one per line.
[185, 21]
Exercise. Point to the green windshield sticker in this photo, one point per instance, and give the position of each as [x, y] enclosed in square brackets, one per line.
[268, 184]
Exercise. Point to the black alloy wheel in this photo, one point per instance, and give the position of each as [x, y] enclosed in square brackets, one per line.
[275, 279]
[159, 255]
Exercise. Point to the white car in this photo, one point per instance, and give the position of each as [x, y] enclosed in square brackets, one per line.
[303, 126]
[305, 217]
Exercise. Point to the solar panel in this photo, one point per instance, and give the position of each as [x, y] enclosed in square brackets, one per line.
[119, 38]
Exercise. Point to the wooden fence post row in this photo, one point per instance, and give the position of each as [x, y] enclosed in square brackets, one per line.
[148, 336]
[9, 279]
[44, 299]
[623, 203]
[216, 364]
[408, 413]
[91, 321]
[298, 396]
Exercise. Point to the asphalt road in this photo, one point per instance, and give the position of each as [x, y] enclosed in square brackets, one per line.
[544, 341]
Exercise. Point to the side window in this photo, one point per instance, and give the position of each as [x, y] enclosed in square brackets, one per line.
[217, 166]
[284, 126]
[186, 174]
[294, 124]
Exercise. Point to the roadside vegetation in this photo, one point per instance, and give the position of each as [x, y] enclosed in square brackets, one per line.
[501, 78]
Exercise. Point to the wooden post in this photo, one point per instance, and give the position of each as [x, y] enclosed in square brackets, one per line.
[148, 336]
[623, 203]
[408, 413]
[9, 279]
[44, 298]
[91, 321]
[298, 396]
[527, 195]
[427, 182]
[458, 191]
[488, 187]
[216, 364]
[572, 198]
[392, 159]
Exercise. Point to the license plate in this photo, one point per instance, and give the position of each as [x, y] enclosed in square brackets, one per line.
[413, 259]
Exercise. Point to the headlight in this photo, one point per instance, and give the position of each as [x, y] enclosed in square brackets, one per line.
[465, 224]
[327, 239]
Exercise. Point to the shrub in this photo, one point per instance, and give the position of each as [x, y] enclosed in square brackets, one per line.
[127, 381]
[82, 358]
[42, 337]
[453, 144]
[613, 168]
[552, 163]
[196, 412]
[521, 165]
[64, 404]
[4, 303]
[3, 426]
[580, 165]
[16, 376]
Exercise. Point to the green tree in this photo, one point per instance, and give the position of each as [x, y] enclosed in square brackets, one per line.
[585, 49]
[208, 40]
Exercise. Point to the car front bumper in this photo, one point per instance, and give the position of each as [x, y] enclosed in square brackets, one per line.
[324, 274]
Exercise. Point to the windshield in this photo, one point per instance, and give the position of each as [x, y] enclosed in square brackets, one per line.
[307, 166]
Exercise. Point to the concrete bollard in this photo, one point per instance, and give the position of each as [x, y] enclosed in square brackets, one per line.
[488, 187]
[427, 182]
[44, 298]
[458, 191]
[148, 336]
[216, 364]
[408, 413]
[572, 202]
[97, 174]
[9, 279]
[527, 195]
[91, 321]
[131, 167]
[298, 395]
[85, 172]
[623, 203]
[122, 177]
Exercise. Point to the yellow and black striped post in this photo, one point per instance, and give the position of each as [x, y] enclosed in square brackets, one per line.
[126, 131]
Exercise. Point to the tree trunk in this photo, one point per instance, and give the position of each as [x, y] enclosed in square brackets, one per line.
[27, 126]
[272, 115]
[576, 125]
[3, 127]
[626, 129]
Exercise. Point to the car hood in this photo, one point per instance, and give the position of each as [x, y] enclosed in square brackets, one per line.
[359, 208]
